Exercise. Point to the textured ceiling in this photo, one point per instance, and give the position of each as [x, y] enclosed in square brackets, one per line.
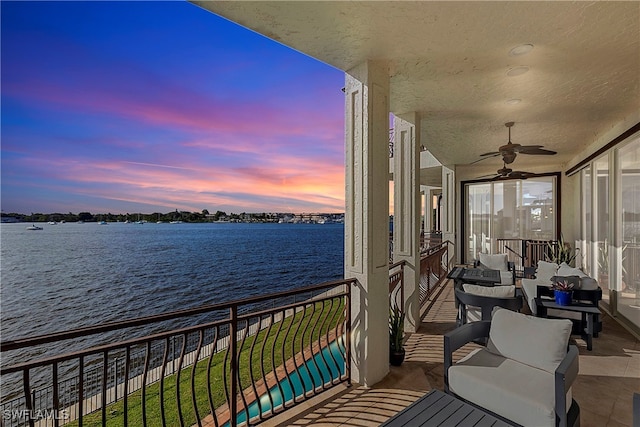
[448, 61]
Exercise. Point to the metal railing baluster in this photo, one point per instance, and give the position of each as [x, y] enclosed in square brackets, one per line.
[262, 360]
[193, 376]
[291, 333]
[245, 333]
[214, 345]
[144, 384]
[125, 396]
[177, 373]
[162, 376]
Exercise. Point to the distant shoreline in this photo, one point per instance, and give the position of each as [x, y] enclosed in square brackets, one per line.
[175, 217]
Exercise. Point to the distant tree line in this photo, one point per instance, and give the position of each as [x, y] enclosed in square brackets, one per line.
[184, 216]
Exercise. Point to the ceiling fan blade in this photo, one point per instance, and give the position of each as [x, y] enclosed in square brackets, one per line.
[481, 159]
[492, 154]
[532, 149]
[522, 148]
[521, 175]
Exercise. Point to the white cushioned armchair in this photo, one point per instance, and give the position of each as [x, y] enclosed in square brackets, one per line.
[476, 302]
[523, 375]
[498, 262]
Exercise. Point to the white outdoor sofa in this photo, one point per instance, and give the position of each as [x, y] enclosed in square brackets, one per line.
[523, 375]
[587, 290]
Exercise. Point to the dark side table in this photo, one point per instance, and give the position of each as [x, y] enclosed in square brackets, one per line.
[476, 276]
[591, 312]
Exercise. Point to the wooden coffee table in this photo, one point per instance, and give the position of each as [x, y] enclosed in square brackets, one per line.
[439, 409]
[591, 312]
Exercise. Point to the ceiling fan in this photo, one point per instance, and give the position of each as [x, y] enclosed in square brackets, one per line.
[510, 150]
[508, 173]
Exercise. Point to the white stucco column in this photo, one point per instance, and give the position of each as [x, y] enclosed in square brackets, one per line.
[366, 228]
[406, 226]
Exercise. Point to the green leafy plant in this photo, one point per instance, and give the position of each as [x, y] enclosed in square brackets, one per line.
[603, 258]
[396, 328]
[561, 252]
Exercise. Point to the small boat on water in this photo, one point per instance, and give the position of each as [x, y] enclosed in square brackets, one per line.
[33, 227]
[102, 223]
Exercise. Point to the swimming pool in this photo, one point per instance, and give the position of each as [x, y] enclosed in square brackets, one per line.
[325, 366]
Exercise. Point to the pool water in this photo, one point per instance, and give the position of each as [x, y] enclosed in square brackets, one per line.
[325, 366]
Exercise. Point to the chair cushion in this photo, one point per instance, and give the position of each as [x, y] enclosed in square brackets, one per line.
[538, 342]
[490, 291]
[516, 391]
[494, 261]
[529, 289]
[546, 270]
[474, 314]
[506, 278]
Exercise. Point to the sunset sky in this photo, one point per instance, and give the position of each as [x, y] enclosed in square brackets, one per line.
[155, 106]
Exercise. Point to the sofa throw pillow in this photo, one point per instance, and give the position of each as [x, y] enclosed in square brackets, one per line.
[588, 283]
[546, 270]
[490, 291]
[494, 261]
[565, 270]
[534, 341]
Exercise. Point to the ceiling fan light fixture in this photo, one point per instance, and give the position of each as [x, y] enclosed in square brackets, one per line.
[517, 71]
[508, 158]
[522, 49]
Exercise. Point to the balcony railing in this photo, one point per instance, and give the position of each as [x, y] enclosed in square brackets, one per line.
[244, 360]
[525, 253]
[434, 266]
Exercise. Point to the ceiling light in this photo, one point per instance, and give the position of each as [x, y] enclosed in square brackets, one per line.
[514, 101]
[523, 49]
[517, 71]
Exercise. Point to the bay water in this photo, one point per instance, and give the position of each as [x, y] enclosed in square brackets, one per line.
[73, 275]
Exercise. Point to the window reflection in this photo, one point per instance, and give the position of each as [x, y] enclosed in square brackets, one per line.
[629, 289]
[512, 210]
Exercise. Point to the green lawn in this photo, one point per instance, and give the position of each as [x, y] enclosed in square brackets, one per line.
[286, 337]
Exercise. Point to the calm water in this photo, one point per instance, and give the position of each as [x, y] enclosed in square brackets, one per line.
[72, 275]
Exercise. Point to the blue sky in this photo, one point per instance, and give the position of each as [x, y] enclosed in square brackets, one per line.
[155, 106]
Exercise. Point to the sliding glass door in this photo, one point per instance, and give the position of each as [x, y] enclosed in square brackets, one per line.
[628, 302]
[510, 209]
[611, 228]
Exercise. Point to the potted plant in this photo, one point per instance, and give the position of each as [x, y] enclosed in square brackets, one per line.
[562, 291]
[396, 336]
[561, 252]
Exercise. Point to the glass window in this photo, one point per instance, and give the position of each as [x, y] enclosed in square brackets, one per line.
[628, 303]
[510, 210]
[602, 237]
[478, 219]
[587, 221]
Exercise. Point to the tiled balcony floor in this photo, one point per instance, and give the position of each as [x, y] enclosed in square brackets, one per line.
[609, 375]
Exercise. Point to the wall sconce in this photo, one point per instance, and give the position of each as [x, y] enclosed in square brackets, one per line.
[435, 201]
